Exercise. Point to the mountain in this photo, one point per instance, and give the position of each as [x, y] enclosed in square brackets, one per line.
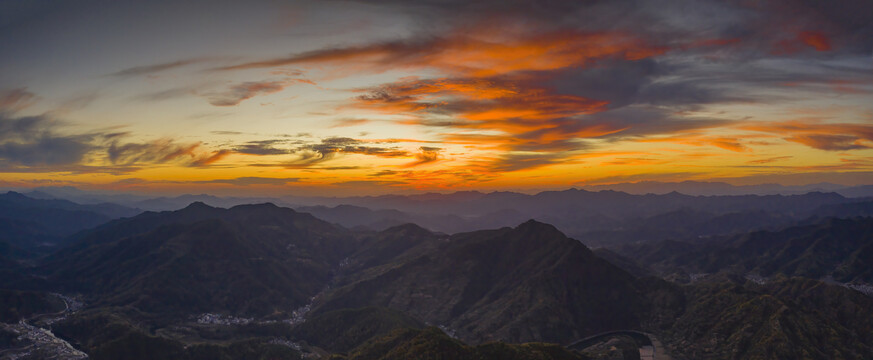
[32, 223]
[711, 188]
[860, 208]
[602, 218]
[783, 319]
[351, 216]
[262, 281]
[246, 260]
[614, 204]
[865, 191]
[837, 248]
[528, 283]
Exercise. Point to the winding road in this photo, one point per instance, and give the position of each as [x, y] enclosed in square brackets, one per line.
[650, 347]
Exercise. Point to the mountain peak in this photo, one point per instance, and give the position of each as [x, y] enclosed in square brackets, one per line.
[265, 205]
[198, 205]
[536, 226]
[15, 195]
[409, 229]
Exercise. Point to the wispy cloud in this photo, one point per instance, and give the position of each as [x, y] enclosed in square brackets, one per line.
[43, 144]
[262, 147]
[156, 68]
[822, 136]
[16, 99]
[244, 91]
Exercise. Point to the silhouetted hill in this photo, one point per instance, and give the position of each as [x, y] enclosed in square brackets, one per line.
[841, 248]
[529, 283]
[250, 259]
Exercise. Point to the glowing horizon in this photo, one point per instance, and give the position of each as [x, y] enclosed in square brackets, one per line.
[344, 97]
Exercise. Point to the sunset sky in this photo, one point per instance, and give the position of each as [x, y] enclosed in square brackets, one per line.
[374, 97]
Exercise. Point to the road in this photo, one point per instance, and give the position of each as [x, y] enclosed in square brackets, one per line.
[650, 347]
[42, 342]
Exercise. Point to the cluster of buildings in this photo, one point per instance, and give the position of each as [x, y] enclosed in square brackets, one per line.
[40, 343]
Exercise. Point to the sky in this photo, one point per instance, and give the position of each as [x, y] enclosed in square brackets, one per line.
[374, 97]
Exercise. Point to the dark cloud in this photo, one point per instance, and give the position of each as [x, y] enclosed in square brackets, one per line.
[261, 147]
[39, 143]
[829, 142]
[33, 141]
[313, 154]
[522, 161]
[167, 94]
[384, 173]
[822, 136]
[334, 145]
[642, 121]
[247, 90]
[46, 150]
[157, 151]
[425, 155]
[155, 68]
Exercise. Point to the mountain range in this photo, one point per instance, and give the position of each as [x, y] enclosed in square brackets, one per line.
[263, 281]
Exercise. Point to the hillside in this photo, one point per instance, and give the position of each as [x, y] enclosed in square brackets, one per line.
[837, 248]
[783, 319]
[252, 260]
[529, 283]
[431, 343]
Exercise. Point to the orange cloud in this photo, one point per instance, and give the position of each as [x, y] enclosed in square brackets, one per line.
[161, 151]
[211, 158]
[815, 39]
[831, 137]
[16, 99]
[492, 95]
[769, 160]
[479, 52]
[726, 143]
[425, 155]
[480, 104]
[244, 91]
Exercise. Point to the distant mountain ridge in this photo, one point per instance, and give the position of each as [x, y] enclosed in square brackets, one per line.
[30, 223]
[841, 249]
[602, 218]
